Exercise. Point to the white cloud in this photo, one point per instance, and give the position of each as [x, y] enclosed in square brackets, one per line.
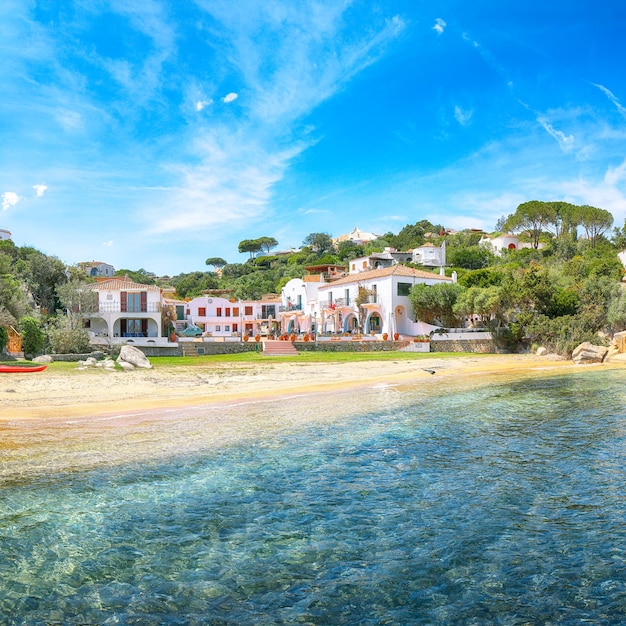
[463, 117]
[201, 104]
[40, 189]
[230, 97]
[439, 26]
[609, 94]
[313, 211]
[9, 199]
[565, 141]
[108, 244]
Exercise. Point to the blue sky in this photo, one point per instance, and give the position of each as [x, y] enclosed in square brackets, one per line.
[157, 133]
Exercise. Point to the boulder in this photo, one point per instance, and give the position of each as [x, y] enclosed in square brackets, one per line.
[126, 366]
[619, 341]
[44, 358]
[134, 356]
[589, 353]
[541, 351]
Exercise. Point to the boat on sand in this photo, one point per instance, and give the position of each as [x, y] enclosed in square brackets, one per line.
[13, 369]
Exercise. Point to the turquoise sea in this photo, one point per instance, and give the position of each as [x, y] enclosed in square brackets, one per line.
[483, 500]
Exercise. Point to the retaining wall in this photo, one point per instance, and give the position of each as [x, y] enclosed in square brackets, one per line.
[484, 346]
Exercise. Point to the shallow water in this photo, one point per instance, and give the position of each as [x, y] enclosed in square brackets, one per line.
[495, 502]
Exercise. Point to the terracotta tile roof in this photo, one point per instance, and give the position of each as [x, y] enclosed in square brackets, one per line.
[394, 270]
[117, 284]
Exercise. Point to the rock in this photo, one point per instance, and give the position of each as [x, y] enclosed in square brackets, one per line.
[541, 351]
[615, 358]
[44, 358]
[619, 341]
[134, 356]
[126, 366]
[589, 353]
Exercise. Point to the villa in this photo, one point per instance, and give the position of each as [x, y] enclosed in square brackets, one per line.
[125, 312]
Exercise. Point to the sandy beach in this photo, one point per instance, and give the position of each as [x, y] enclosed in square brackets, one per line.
[53, 393]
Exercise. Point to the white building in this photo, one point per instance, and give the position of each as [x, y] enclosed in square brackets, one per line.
[373, 302]
[430, 255]
[5, 235]
[505, 242]
[357, 236]
[97, 269]
[125, 312]
[379, 260]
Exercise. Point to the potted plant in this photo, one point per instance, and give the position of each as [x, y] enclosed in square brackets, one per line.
[396, 336]
[385, 336]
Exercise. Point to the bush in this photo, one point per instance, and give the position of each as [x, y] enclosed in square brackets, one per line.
[33, 337]
[68, 337]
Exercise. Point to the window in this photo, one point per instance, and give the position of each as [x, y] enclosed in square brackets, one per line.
[235, 328]
[227, 328]
[248, 310]
[218, 312]
[235, 311]
[404, 289]
[136, 302]
[201, 311]
[364, 264]
[218, 329]
[227, 312]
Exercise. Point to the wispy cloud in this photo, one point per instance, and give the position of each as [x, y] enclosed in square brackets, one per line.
[611, 96]
[9, 199]
[439, 26]
[108, 244]
[566, 142]
[239, 160]
[463, 117]
[202, 104]
[40, 189]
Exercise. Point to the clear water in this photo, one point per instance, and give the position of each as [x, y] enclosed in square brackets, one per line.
[494, 502]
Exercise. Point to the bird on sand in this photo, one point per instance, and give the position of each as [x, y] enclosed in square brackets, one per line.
[429, 371]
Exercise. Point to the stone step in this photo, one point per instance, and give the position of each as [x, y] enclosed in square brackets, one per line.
[278, 348]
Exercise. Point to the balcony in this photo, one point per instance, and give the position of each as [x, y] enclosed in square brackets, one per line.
[114, 306]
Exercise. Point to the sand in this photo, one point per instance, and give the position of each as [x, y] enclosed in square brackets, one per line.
[53, 394]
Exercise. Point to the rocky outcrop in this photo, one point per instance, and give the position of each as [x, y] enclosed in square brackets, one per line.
[134, 357]
[589, 353]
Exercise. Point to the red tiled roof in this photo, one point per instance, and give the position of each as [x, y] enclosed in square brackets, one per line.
[394, 270]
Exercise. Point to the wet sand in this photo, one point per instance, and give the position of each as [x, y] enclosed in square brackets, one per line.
[61, 394]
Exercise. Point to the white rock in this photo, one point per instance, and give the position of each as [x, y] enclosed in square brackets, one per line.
[126, 366]
[541, 351]
[589, 353]
[44, 358]
[134, 356]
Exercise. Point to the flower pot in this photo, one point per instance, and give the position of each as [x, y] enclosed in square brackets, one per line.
[257, 338]
[245, 337]
[292, 337]
[396, 336]
[385, 336]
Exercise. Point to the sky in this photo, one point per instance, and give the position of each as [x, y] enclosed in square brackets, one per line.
[158, 133]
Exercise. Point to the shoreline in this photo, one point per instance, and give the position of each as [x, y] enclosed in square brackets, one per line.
[55, 395]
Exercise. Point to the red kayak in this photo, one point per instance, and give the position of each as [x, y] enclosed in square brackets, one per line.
[12, 369]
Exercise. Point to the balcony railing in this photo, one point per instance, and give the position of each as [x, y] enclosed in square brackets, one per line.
[114, 306]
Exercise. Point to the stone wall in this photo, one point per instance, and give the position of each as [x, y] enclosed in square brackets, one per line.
[349, 346]
[219, 347]
[485, 346]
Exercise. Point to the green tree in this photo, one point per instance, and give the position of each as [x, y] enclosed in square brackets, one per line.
[471, 258]
[41, 273]
[193, 284]
[216, 261]
[67, 335]
[267, 243]
[141, 276]
[531, 217]
[252, 246]
[594, 221]
[320, 243]
[434, 304]
[33, 337]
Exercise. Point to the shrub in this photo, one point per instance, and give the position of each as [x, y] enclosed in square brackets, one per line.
[33, 337]
[68, 337]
